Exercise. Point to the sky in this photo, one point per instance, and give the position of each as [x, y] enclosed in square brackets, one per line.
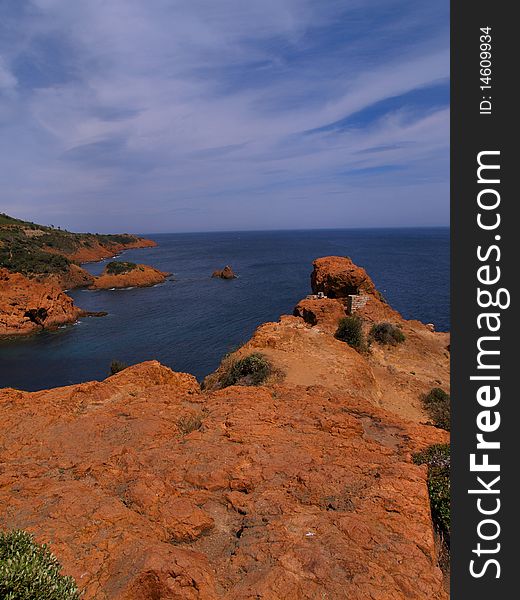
[205, 115]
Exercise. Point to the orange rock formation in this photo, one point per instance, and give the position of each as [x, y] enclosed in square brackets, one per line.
[338, 277]
[225, 273]
[141, 276]
[148, 487]
[27, 306]
[74, 277]
[324, 311]
[96, 251]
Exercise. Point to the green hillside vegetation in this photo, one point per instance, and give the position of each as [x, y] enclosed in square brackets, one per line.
[33, 249]
[118, 268]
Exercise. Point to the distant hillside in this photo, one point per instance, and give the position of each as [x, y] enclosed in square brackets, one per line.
[33, 249]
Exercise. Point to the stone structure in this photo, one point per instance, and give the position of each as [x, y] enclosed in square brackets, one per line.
[356, 301]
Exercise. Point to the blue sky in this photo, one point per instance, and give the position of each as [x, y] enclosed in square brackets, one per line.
[197, 115]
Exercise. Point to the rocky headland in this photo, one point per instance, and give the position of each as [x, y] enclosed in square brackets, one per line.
[30, 306]
[124, 275]
[302, 486]
[39, 263]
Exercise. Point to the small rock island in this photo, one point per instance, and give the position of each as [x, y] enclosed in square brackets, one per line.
[225, 273]
[127, 274]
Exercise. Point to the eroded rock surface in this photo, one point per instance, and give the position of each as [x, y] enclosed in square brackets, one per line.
[95, 250]
[325, 312]
[289, 491]
[140, 276]
[74, 277]
[28, 306]
[338, 277]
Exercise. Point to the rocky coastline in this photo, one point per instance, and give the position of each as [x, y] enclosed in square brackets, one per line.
[299, 485]
[38, 264]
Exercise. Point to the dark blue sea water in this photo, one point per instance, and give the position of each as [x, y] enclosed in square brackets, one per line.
[190, 322]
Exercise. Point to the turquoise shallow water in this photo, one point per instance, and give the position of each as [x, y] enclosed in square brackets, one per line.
[192, 320]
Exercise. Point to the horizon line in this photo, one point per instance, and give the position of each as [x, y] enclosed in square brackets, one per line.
[283, 230]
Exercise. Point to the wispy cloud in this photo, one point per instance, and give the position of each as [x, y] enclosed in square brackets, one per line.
[195, 114]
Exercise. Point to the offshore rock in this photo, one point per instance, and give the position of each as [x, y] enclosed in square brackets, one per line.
[139, 276]
[225, 273]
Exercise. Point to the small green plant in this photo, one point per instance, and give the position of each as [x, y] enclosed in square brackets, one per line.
[438, 406]
[350, 331]
[118, 268]
[386, 333]
[437, 457]
[250, 370]
[117, 366]
[29, 571]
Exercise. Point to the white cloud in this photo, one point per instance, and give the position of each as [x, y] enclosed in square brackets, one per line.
[148, 107]
[7, 79]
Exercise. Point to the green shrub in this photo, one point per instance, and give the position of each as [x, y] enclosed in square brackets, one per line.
[29, 571]
[386, 333]
[118, 268]
[250, 370]
[438, 406]
[7, 220]
[21, 256]
[350, 331]
[114, 239]
[437, 457]
[116, 366]
[59, 240]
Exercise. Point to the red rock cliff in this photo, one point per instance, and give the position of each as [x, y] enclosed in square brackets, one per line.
[28, 306]
[338, 277]
[97, 251]
[148, 488]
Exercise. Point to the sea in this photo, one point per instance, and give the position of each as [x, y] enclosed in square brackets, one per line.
[192, 320]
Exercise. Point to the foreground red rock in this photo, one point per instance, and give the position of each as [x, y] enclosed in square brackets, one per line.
[324, 312]
[28, 306]
[140, 276]
[147, 488]
[307, 356]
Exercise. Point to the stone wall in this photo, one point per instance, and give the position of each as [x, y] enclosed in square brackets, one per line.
[356, 301]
